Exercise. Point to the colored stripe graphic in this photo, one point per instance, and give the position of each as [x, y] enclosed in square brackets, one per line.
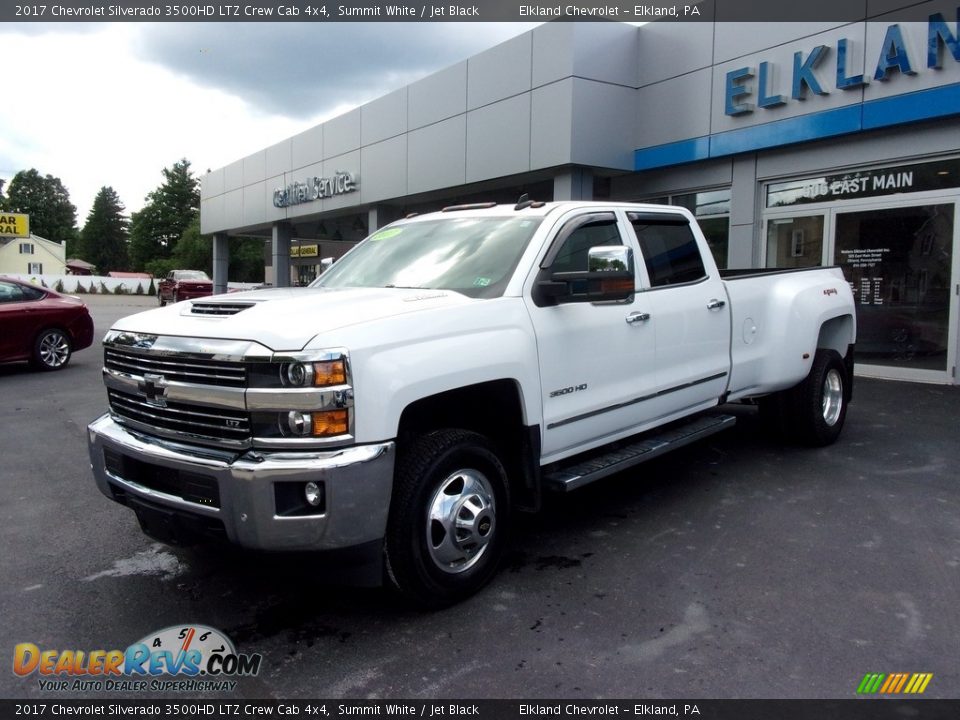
[894, 683]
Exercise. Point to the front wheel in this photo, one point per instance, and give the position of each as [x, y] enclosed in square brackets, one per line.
[820, 401]
[448, 518]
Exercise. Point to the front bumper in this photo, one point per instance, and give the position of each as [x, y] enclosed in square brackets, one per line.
[241, 494]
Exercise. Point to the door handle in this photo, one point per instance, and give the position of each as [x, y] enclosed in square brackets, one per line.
[636, 317]
[715, 304]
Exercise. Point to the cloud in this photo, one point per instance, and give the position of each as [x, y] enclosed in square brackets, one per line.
[306, 70]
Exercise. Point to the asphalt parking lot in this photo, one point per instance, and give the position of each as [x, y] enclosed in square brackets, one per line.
[737, 568]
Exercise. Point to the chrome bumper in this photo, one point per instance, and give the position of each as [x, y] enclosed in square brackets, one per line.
[357, 484]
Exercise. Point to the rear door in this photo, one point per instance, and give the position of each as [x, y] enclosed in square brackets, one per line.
[21, 313]
[689, 310]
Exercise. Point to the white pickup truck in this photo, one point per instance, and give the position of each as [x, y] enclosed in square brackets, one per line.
[449, 370]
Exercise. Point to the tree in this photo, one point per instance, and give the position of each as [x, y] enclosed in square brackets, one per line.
[169, 210]
[103, 240]
[195, 252]
[47, 201]
[3, 200]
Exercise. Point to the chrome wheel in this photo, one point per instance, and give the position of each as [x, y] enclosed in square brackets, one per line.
[832, 401]
[461, 521]
[54, 349]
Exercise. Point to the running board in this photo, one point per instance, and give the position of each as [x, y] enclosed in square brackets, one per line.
[650, 446]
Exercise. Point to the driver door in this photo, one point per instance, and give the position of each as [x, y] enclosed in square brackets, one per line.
[596, 358]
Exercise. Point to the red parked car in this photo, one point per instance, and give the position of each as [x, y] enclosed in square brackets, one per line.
[184, 285]
[40, 325]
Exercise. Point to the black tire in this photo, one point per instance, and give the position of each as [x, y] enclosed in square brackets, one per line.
[52, 349]
[162, 301]
[820, 401]
[444, 476]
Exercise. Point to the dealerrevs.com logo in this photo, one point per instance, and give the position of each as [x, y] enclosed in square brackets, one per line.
[185, 658]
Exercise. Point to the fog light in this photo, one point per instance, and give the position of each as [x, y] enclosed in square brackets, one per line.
[313, 494]
[300, 423]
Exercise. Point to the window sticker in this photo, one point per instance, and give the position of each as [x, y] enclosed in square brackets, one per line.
[386, 234]
[481, 282]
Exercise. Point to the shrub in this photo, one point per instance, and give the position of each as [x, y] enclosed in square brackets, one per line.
[93, 289]
[120, 290]
[103, 288]
[58, 286]
[139, 290]
[152, 290]
[81, 290]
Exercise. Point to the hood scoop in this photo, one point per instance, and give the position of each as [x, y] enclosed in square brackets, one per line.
[218, 309]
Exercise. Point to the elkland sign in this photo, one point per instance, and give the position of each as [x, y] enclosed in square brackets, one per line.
[893, 58]
[315, 188]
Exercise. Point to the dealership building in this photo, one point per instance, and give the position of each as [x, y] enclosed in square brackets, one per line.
[794, 144]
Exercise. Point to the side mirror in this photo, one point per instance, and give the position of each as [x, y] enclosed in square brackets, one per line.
[609, 277]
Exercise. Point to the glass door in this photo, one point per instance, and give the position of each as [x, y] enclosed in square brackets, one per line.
[795, 241]
[899, 262]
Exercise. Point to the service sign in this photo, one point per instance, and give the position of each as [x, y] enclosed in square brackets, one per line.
[14, 225]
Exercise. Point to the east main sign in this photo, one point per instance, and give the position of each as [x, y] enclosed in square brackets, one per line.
[745, 83]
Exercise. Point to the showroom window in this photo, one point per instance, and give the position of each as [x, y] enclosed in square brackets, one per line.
[711, 208]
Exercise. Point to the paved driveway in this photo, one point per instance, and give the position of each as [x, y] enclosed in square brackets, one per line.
[737, 568]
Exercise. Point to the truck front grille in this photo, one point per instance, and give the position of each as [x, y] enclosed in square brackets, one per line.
[200, 423]
[194, 370]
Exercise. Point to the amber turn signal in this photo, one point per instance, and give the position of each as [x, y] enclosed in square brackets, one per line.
[331, 372]
[331, 422]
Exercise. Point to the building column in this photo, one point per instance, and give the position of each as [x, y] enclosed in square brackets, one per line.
[573, 184]
[380, 215]
[282, 233]
[221, 262]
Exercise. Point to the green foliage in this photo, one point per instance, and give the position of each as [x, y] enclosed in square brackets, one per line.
[3, 200]
[120, 290]
[193, 250]
[139, 290]
[42, 283]
[93, 289]
[246, 259]
[81, 290]
[58, 286]
[103, 240]
[169, 210]
[47, 201]
[160, 268]
[152, 290]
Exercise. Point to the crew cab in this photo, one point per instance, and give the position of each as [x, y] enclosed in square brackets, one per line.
[183, 285]
[447, 372]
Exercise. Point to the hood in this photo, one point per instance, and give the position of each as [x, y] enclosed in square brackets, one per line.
[285, 318]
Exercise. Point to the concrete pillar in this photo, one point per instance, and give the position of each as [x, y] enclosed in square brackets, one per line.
[282, 233]
[221, 262]
[380, 215]
[573, 184]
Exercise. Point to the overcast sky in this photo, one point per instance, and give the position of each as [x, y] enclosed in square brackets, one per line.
[114, 103]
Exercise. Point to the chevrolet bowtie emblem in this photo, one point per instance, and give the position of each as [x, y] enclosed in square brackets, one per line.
[154, 389]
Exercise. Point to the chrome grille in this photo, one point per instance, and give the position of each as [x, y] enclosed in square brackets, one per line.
[220, 309]
[192, 370]
[213, 424]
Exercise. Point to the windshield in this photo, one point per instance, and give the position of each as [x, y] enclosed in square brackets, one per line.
[473, 256]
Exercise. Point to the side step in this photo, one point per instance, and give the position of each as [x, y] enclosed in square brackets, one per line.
[565, 479]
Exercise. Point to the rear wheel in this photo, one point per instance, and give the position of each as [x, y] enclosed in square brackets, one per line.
[51, 349]
[448, 518]
[821, 400]
[160, 298]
